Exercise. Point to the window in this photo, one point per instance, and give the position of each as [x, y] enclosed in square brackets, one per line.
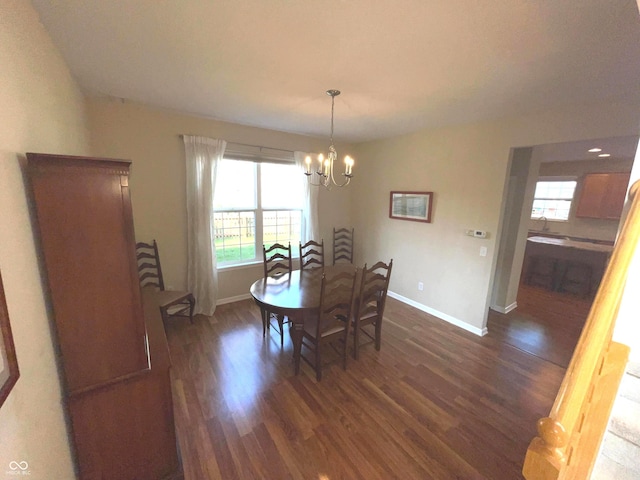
[552, 199]
[255, 203]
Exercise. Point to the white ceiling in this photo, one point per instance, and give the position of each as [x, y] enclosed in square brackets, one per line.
[619, 148]
[402, 65]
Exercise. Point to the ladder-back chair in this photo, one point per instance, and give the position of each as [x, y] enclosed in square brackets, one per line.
[333, 320]
[172, 303]
[371, 301]
[312, 255]
[277, 262]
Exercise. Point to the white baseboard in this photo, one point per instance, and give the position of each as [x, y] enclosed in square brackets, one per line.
[408, 301]
[237, 298]
[506, 309]
[440, 315]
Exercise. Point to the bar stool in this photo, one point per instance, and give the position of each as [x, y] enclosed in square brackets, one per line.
[542, 272]
[576, 279]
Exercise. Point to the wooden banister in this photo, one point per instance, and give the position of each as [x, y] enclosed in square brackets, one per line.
[569, 438]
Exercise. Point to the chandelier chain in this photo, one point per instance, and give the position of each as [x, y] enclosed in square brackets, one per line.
[332, 102]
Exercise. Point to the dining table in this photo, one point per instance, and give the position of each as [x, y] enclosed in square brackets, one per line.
[295, 295]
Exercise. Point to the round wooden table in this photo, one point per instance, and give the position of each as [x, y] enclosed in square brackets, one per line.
[296, 295]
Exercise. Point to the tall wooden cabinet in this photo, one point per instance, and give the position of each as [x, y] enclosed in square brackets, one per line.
[114, 356]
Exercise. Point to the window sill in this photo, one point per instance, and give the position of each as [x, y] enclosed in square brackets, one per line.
[243, 266]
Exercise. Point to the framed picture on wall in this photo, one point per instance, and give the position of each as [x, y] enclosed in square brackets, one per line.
[8, 363]
[413, 206]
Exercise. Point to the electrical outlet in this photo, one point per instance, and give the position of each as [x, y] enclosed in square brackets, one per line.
[420, 286]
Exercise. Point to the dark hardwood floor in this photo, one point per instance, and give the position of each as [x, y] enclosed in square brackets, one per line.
[435, 403]
[546, 324]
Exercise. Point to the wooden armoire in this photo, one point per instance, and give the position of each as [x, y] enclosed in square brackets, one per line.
[113, 351]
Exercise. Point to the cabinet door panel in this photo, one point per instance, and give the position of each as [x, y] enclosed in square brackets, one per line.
[86, 234]
[603, 195]
[594, 188]
[614, 197]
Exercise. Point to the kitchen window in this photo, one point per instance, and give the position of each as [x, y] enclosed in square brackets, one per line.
[552, 199]
[255, 203]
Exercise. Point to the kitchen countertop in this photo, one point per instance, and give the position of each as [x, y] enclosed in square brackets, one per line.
[577, 244]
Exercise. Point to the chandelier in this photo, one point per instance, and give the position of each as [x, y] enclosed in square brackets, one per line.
[323, 175]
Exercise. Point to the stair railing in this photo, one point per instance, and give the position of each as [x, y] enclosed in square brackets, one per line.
[569, 438]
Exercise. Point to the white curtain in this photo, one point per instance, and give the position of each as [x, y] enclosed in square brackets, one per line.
[310, 228]
[203, 155]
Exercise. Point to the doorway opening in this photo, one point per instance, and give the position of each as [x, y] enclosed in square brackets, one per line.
[560, 218]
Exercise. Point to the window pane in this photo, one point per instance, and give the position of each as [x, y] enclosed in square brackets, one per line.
[551, 209]
[235, 185]
[559, 190]
[235, 236]
[281, 186]
[282, 226]
[553, 199]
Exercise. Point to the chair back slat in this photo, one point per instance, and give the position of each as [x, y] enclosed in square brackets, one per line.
[342, 245]
[276, 259]
[149, 269]
[373, 290]
[336, 299]
[149, 279]
[311, 254]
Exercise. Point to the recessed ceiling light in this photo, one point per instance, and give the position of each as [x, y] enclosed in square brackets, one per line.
[604, 155]
[595, 150]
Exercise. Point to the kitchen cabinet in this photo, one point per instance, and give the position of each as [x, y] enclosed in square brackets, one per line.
[603, 195]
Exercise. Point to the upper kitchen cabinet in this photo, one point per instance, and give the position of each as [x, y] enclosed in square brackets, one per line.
[603, 195]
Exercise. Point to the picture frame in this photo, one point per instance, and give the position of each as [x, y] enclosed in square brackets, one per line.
[9, 372]
[412, 206]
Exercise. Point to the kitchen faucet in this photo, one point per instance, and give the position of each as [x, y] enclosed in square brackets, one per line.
[545, 227]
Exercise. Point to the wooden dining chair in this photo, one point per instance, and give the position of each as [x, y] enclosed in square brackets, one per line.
[332, 322]
[277, 262]
[371, 300]
[311, 255]
[172, 303]
[342, 245]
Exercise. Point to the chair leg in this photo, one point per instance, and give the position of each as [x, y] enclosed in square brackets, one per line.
[318, 363]
[356, 340]
[378, 333]
[192, 306]
[265, 318]
[280, 326]
[344, 352]
[163, 314]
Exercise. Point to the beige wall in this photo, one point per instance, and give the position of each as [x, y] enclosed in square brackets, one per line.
[42, 111]
[151, 139]
[466, 167]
